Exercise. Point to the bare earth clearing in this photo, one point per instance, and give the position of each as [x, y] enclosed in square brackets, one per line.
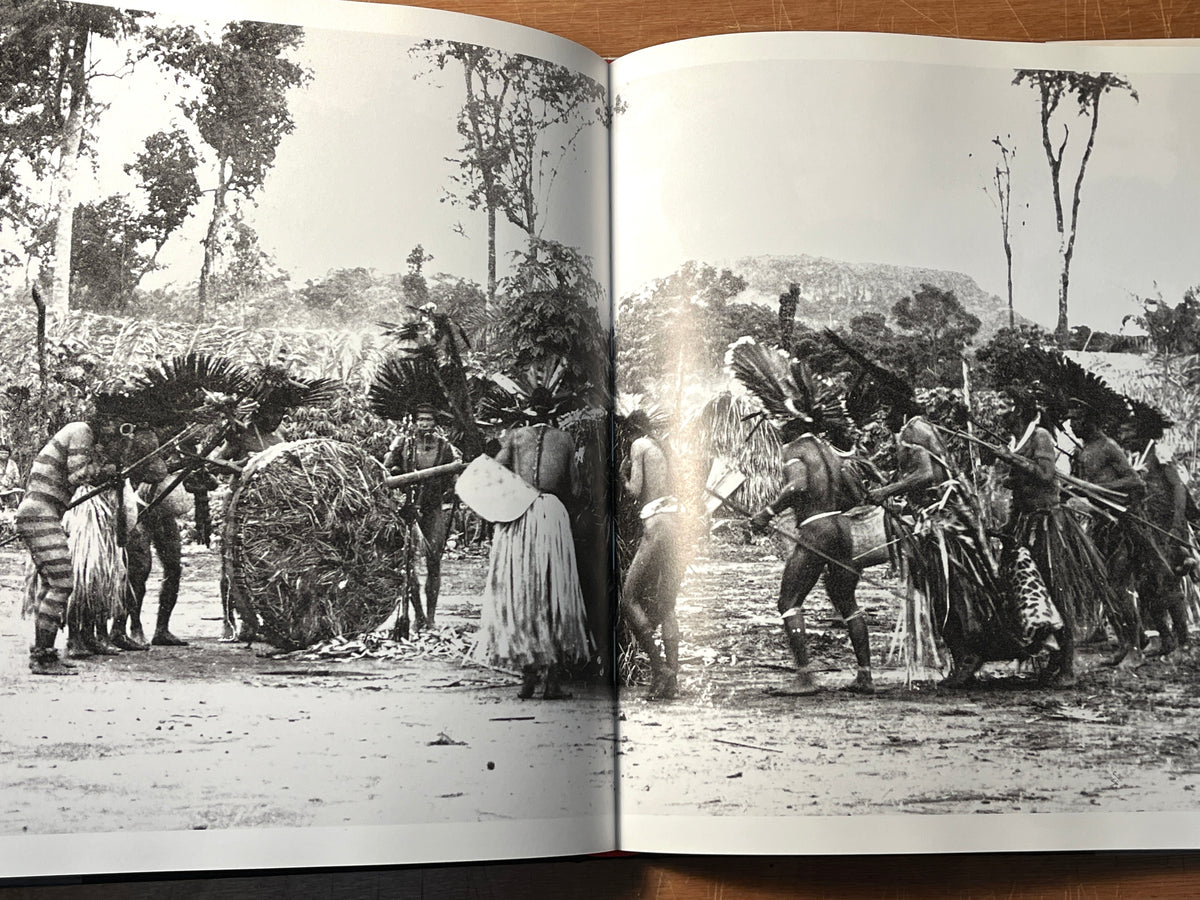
[1119, 742]
[216, 736]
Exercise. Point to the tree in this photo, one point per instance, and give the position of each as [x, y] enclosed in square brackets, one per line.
[241, 112]
[416, 289]
[1002, 184]
[1086, 89]
[243, 271]
[516, 109]
[550, 311]
[46, 106]
[166, 172]
[940, 328]
[1172, 329]
[106, 263]
[684, 320]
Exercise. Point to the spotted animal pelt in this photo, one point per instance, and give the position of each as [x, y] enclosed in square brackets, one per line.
[1036, 616]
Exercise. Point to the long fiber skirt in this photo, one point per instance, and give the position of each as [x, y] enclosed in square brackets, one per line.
[533, 610]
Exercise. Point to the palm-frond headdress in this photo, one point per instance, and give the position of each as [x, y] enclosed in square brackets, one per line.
[539, 394]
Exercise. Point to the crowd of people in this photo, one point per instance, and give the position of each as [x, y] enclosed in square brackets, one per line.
[97, 499]
[1093, 550]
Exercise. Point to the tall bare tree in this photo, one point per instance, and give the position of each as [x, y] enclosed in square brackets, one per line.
[1000, 192]
[1053, 88]
[521, 118]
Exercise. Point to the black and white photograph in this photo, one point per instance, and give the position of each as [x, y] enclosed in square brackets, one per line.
[907, 405]
[304, 426]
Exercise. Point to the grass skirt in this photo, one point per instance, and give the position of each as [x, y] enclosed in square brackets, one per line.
[1073, 569]
[99, 568]
[533, 609]
[951, 576]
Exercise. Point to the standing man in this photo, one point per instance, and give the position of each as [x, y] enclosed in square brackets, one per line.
[10, 479]
[422, 449]
[255, 436]
[156, 529]
[80, 453]
[652, 582]
[1165, 507]
[533, 614]
[1132, 557]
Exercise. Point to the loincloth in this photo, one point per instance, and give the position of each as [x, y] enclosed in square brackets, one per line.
[668, 505]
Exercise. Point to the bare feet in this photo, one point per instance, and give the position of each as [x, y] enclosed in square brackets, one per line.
[666, 689]
[805, 683]
[166, 639]
[1133, 659]
[123, 641]
[1062, 680]
[862, 683]
[46, 662]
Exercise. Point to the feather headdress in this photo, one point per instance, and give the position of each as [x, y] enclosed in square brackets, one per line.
[1147, 422]
[786, 389]
[195, 387]
[1062, 385]
[539, 394]
[429, 362]
[277, 389]
[875, 385]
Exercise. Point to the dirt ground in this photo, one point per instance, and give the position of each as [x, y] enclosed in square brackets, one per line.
[1119, 741]
[215, 736]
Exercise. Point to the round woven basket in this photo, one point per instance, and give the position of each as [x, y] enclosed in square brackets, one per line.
[314, 542]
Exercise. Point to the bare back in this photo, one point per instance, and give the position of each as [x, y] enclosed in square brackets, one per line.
[545, 457]
[813, 475]
[650, 475]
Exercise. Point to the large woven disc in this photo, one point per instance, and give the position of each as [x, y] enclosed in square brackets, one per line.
[315, 541]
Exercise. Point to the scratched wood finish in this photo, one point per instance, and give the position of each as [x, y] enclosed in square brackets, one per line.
[1074, 876]
[615, 27]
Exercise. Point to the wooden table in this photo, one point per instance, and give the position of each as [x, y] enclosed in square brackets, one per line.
[612, 28]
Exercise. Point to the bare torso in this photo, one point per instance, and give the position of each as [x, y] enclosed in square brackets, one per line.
[649, 476]
[1036, 488]
[1102, 461]
[813, 477]
[545, 457]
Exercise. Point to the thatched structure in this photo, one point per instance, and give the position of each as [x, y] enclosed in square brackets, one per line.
[316, 542]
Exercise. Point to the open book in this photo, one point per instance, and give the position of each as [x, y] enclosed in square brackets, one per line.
[182, 183]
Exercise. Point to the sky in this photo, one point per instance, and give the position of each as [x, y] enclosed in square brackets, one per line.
[885, 161]
[361, 179]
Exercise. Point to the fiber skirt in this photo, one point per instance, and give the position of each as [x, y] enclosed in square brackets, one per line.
[533, 610]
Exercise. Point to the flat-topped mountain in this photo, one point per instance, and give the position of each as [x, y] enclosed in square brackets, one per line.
[832, 292]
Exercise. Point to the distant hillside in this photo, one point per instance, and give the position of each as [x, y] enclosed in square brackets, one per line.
[834, 292]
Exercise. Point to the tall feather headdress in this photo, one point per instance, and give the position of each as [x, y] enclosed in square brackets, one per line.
[875, 385]
[786, 389]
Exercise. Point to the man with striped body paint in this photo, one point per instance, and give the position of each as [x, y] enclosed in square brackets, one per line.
[80, 453]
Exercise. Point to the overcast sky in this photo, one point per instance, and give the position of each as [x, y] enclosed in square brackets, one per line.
[360, 181]
[885, 162]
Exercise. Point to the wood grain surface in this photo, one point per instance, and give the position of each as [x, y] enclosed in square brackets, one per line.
[612, 28]
[615, 27]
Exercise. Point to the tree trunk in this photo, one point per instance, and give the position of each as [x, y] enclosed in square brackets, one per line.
[1012, 318]
[60, 285]
[1062, 331]
[211, 239]
[491, 287]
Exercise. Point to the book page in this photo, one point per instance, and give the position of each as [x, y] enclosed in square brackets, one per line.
[900, 192]
[374, 215]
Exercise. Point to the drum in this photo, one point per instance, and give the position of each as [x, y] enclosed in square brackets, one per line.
[868, 535]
